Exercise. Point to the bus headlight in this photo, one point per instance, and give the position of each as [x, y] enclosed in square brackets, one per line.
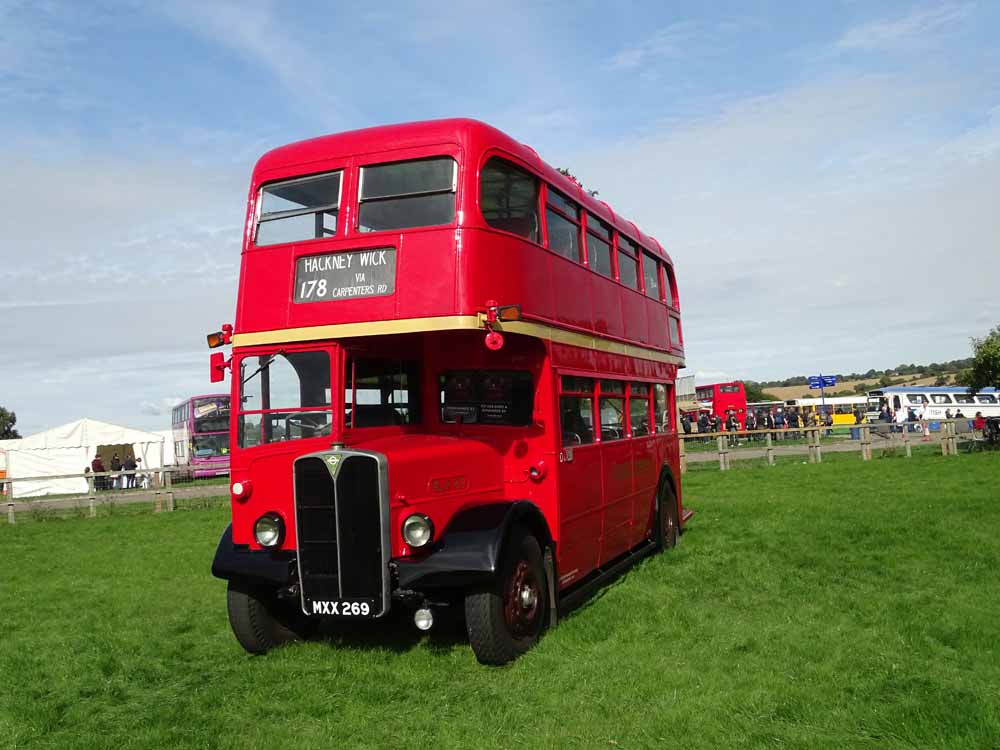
[418, 530]
[269, 530]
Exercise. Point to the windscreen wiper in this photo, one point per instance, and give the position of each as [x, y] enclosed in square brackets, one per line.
[264, 366]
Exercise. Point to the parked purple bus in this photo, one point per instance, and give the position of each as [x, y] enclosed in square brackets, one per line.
[201, 435]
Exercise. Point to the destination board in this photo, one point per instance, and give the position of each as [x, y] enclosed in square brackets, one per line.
[340, 276]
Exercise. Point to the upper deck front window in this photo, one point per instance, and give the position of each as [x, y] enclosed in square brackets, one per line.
[301, 209]
[407, 194]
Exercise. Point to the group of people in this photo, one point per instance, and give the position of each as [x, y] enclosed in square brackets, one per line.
[125, 481]
[779, 420]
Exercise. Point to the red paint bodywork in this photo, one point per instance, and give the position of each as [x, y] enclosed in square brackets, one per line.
[596, 506]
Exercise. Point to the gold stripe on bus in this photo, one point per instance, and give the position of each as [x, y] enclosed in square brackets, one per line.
[452, 323]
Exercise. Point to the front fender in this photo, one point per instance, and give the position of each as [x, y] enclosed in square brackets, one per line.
[234, 562]
[468, 552]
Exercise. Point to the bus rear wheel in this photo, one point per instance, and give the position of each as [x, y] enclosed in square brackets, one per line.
[667, 526]
[508, 619]
[259, 620]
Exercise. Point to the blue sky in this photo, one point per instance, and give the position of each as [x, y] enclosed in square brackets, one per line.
[824, 176]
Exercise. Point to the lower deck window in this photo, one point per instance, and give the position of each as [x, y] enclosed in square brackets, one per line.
[577, 420]
[493, 397]
[612, 418]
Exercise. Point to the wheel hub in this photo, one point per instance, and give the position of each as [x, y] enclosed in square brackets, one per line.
[521, 601]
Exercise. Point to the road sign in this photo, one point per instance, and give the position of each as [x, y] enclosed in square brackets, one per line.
[822, 381]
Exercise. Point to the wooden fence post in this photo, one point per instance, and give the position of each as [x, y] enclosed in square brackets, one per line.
[723, 453]
[770, 449]
[906, 442]
[811, 446]
[819, 448]
[170, 502]
[866, 443]
[682, 451]
[946, 447]
[10, 506]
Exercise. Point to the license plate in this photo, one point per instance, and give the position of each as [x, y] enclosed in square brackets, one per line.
[341, 607]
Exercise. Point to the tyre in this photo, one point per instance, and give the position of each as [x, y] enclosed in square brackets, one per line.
[667, 526]
[260, 621]
[508, 619]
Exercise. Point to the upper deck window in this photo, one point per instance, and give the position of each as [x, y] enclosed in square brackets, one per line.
[651, 275]
[628, 263]
[562, 219]
[508, 199]
[302, 209]
[599, 246]
[407, 194]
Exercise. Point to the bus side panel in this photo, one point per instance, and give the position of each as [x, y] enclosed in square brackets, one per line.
[607, 312]
[616, 458]
[634, 322]
[571, 292]
[580, 512]
[496, 266]
[656, 323]
[645, 475]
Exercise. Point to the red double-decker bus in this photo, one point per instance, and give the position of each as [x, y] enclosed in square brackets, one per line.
[720, 399]
[453, 386]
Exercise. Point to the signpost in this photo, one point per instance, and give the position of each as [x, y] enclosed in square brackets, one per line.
[822, 382]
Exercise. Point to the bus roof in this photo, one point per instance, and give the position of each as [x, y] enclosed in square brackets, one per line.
[472, 135]
[929, 389]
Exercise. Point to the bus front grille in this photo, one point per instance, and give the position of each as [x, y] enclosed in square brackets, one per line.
[339, 521]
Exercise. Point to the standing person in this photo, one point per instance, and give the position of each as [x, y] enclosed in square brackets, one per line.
[793, 423]
[901, 419]
[947, 413]
[959, 415]
[116, 465]
[827, 421]
[686, 424]
[779, 423]
[922, 418]
[766, 421]
[751, 424]
[732, 426]
[97, 466]
[703, 426]
[884, 415]
[129, 465]
[979, 423]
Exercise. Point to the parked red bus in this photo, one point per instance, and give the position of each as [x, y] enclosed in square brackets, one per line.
[721, 398]
[200, 426]
[454, 372]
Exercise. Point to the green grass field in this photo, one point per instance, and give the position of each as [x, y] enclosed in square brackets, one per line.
[839, 605]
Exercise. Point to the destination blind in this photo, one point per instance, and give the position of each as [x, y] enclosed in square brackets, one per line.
[350, 275]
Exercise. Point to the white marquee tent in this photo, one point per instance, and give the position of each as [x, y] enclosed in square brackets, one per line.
[68, 449]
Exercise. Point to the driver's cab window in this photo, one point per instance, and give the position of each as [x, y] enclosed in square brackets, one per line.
[284, 396]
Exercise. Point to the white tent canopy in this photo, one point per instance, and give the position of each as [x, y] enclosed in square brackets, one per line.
[68, 449]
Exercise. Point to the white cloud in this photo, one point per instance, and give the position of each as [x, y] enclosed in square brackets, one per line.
[670, 42]
[819, 225]
[919, 27]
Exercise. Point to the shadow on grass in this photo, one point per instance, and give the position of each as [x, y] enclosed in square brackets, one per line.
[398, 634]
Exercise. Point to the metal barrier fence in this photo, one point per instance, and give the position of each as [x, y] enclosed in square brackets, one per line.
[812, 441]
[163, 487]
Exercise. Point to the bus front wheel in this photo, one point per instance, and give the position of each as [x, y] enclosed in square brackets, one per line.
[259, 620]
[506, 620]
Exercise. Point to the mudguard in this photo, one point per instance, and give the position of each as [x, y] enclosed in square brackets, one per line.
[258, 566]
[468, 552]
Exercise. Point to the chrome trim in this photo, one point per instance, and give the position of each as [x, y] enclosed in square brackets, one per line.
[383, 494]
